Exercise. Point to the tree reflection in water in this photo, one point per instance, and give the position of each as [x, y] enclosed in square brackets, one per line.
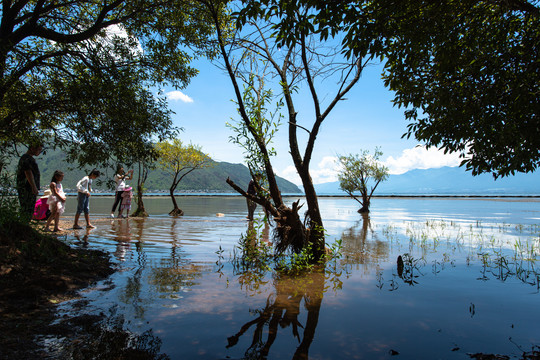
[132, 292]
[357, 248]
[99, 337]
[282, 310]
[176, 273]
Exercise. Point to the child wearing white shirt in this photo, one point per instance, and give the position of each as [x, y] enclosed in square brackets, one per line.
[84, 187]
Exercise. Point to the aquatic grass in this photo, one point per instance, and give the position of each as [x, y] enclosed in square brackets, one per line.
[255, 256]
[442, 244]
[499, 250]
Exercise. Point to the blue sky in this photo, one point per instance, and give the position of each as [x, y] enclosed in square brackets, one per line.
[367, 119]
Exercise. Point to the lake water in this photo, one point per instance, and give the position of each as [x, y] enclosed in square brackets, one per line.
[467, 281]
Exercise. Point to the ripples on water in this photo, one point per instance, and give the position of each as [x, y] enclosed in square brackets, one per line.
[422, 278]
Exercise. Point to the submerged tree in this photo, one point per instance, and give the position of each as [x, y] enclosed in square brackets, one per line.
[144, 159]
[142, 174]
[303, 62]
[179, 160]
[361, 173]
[466, 72]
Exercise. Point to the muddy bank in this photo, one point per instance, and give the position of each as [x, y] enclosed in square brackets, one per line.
[38, 271]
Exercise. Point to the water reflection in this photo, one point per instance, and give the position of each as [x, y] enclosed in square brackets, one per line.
[283, 310]
[102, 338]
[258, 230]
[361, 244]
[460, 279]
[132, 294]
[176, 273]
[82, 237]
[121, 233]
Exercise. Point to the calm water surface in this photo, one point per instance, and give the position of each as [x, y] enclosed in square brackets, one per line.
[461, 288]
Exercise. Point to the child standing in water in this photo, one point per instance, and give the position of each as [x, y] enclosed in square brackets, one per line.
[57, 200]
[120, 178]
[126, 202]
[84, 187]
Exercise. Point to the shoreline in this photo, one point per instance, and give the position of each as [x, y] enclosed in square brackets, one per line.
[405, 196]
[39, 270]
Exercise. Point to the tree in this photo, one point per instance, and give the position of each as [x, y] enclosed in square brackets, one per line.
[466, 72]
[303, 62]
[358, 172]
[470, 80]
[143, 157]
[144, 167]
[118, 118]
[62, 62]
[179, 160]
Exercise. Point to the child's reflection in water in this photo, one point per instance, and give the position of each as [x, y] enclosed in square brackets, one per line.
[122, 235]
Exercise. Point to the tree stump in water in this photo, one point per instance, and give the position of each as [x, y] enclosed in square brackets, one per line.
[290, 231]
[140, 213]
[176, 212]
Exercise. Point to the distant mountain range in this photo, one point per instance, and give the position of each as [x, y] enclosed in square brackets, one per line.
[441, 181]
[200, 180]
[448, 181]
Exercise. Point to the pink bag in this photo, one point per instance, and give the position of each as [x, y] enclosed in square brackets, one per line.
[40, 209]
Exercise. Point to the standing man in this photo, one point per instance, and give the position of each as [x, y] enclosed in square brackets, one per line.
[28, 179]
[252, 205]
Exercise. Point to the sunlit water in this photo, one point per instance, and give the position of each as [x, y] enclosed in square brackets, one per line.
[460, 289]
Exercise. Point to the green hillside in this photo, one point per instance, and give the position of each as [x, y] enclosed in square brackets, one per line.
[201, 180]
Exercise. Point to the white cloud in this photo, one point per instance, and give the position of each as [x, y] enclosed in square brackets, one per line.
[421, 158]
[117, 32]
[178, 95]
[290, 174]
[416, 158]
[325, 171]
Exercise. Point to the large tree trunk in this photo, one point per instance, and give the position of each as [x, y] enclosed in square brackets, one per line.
[315, 230]
[290, 231]
[365, 204]
[140, 212]
[141, 179]
[176, 211]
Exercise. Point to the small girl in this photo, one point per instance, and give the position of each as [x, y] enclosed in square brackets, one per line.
[126, 202]
[120, 178]
[57, 200]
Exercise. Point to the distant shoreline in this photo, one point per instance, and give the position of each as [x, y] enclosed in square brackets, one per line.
[457, 196]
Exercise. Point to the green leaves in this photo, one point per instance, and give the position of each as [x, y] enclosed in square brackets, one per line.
[468, 74]
[361, 173]
[178, 159]
[264, 120]
[78, 72]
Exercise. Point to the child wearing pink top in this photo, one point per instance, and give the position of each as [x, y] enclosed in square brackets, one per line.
[127, 195]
